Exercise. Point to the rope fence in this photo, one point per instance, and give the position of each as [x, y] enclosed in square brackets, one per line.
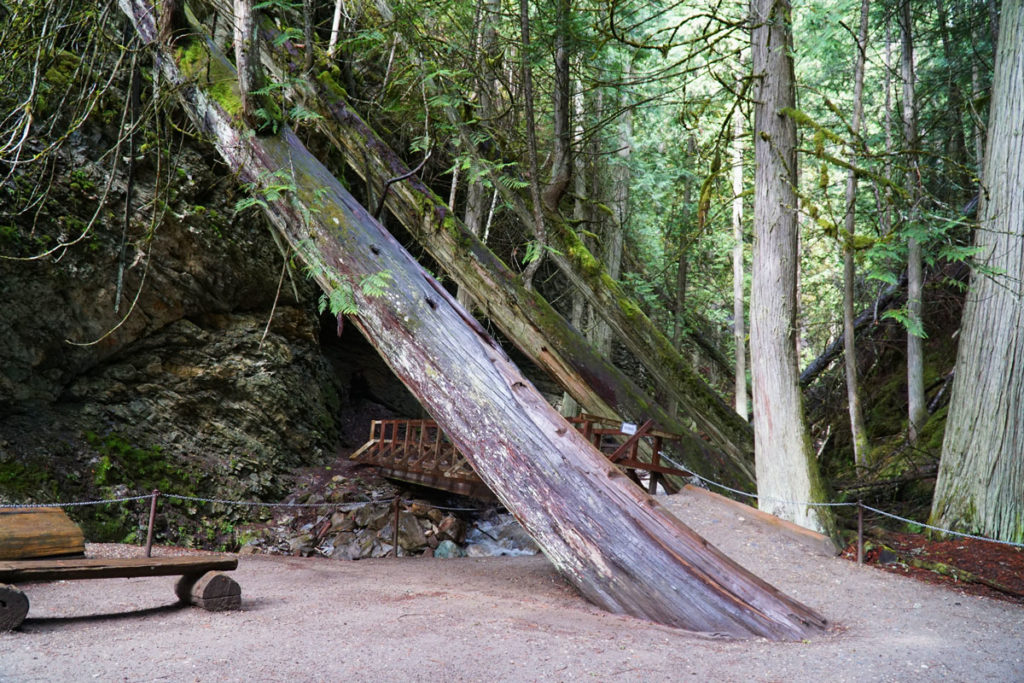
[347, 507]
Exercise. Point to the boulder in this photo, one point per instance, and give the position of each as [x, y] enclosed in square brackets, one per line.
[448, 550]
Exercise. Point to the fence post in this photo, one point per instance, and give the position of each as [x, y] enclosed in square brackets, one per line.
[860, 533]
[395, 539]
[149, 532]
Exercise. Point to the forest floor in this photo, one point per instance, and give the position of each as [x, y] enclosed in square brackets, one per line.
[514, 618]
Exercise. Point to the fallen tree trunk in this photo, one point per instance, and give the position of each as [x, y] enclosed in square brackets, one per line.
[890, 297]
[523, 315]
[617, 545]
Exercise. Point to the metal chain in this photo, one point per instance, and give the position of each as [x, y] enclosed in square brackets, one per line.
[353, 506]
[80, 503]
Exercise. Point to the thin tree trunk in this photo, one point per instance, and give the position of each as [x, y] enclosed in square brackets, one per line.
[956, 146]
[787, 471]
[917, 408]
[562, 157]
[738, 285]
[980, 487]
[617, 545]
[858, 432]
[526, 70]
[247, 59]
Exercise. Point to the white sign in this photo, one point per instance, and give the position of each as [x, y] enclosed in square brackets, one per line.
[628, 428]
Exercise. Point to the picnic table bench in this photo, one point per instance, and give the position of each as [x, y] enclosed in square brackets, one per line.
[202, 581]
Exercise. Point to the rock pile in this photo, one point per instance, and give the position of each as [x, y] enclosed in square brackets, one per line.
[355, 518]
[355, 531]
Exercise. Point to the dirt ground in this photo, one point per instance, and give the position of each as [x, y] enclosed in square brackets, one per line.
[485, 619]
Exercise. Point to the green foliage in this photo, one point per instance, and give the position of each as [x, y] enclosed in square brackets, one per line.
[269, 187]
[141, 469]
[341, 299]
[21, 482]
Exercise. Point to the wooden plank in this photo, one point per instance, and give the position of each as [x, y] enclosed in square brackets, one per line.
[38, 532]
[24, 571]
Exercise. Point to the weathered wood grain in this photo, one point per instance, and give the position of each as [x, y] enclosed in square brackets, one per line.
[25, 571]
[38, 532]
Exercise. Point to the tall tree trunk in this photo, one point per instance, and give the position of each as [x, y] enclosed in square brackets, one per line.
[523, 316]
[858, 433]
[956, 145]
[247, 59]
[526, 72]
[614, 225]
[562, 97]
[617, 545]
[787, 471]
[476, 191]
[980, 487]
[738, 285]
[917, 408]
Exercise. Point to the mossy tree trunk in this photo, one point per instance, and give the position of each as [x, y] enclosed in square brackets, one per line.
[523, 316]
[981, 475]
[787, 470]
[606, 536]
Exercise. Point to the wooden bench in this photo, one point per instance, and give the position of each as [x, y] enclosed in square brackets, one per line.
[202, 581]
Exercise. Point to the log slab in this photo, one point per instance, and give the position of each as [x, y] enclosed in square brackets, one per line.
[13, 607]
[213, 591]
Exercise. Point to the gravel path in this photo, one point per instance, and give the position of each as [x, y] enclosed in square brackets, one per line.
[489, 619]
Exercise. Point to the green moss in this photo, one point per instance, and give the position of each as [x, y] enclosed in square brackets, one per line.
[59, 77]
[20, 481]
[218, 79]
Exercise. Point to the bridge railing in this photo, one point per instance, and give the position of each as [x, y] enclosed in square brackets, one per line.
[420, 452]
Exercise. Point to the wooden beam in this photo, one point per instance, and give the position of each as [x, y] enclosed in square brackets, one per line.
[25, 571]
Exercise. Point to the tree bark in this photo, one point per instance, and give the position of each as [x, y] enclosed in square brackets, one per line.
[738, 284]
[980, 487]
[522, 315]
[858, 432]
[247, 59]
[561, 151]
[539, 228]
[617, 545]
[787, 471]
[917, 408]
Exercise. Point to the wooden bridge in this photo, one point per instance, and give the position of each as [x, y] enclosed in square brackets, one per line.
[417, 451]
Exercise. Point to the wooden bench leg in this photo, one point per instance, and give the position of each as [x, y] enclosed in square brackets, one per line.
[13, 607]
[213, 591]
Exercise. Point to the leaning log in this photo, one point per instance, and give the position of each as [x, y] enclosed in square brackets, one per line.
[617, 545]
[523, 315]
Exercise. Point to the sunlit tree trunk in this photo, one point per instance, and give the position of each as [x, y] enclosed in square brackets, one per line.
[858, 432]
[739, 328]
[247, 59]
[980, 487]
[917, 408]
[787, 471]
